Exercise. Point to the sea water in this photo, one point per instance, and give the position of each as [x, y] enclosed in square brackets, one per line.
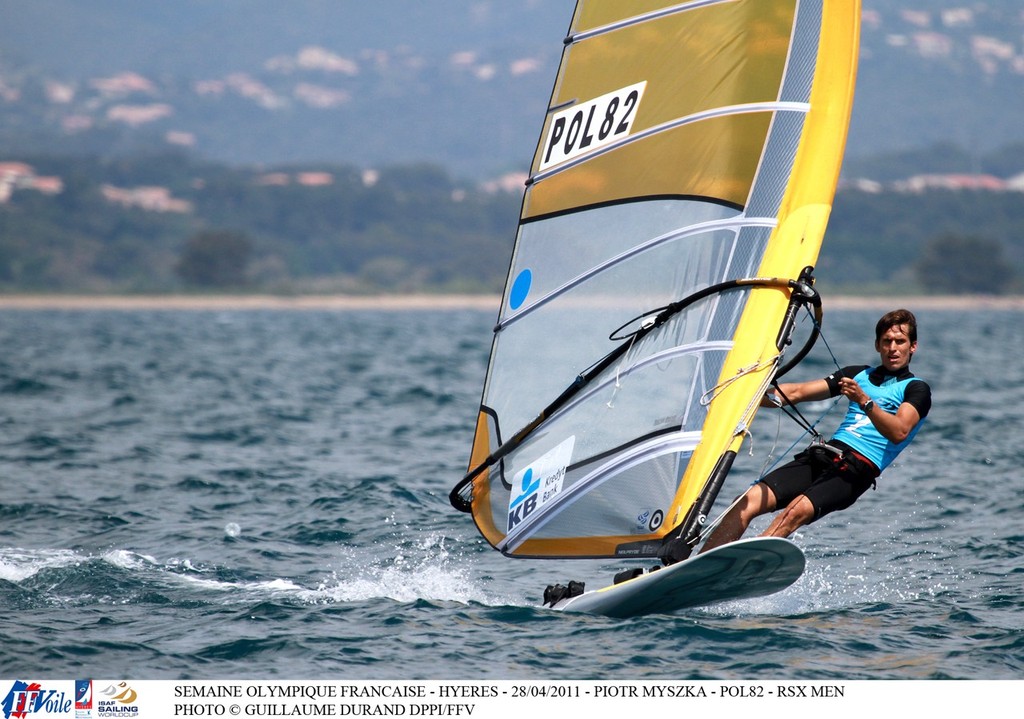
[255, 493]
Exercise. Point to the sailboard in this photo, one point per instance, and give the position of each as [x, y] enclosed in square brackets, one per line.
[676, 205]
[743, 569]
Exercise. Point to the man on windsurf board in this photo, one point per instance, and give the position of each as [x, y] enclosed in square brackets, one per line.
[887, 406]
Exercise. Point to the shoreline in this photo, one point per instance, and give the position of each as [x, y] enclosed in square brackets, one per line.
[425, 302]
[247, 302]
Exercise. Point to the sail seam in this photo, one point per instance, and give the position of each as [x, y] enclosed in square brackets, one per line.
[732, 223]
[724, 111]
[668, 197]
[640, 19]
[625, 446]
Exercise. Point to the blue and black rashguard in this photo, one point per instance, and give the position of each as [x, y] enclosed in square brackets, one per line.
[888, 390]
[832, 482]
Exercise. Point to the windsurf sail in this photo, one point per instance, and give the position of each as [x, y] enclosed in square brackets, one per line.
[676, 206]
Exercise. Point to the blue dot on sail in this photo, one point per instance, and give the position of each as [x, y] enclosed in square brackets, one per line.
[520, 289]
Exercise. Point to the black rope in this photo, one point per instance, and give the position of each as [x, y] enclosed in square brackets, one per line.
[793, 413]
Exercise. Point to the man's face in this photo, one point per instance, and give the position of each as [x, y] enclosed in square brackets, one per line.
[895, 348]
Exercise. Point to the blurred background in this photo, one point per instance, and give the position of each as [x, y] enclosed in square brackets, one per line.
[352, 147]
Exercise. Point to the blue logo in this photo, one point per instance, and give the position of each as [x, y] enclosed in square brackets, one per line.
[24, 699]
[524, 505]
[83, 698]
[528, 487]
[520, 289]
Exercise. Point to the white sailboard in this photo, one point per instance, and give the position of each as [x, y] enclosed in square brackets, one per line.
[741, 570]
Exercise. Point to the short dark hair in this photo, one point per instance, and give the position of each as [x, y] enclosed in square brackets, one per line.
[897, 317]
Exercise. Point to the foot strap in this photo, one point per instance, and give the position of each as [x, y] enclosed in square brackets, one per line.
[556, 592]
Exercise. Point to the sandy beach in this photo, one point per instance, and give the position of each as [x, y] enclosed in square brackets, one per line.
[248, 302]
[423, 302]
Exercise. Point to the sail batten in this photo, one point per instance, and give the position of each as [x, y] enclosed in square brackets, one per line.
[647, 17]
[624, 372]
[677, 201]
[683, 232]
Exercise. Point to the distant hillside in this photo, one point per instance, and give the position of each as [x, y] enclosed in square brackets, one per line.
[459, 83]
[169, 223]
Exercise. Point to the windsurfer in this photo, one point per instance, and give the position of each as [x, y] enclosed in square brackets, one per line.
[887, 406]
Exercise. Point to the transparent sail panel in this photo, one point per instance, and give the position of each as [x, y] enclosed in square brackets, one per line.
[537, 357]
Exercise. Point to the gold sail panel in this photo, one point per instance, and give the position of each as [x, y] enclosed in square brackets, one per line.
[714, 159]
[694, 61]
[721, 58]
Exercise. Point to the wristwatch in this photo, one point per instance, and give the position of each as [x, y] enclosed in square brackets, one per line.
[868, 406]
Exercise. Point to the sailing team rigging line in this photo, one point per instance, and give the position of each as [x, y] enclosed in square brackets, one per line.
[679, 192]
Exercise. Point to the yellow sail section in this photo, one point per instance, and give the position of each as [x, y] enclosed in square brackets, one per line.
[794, 245]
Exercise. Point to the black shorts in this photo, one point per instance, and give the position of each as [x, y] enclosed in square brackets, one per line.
[829, 481]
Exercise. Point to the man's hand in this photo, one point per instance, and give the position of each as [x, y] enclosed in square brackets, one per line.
[894, 427]
[852, 391]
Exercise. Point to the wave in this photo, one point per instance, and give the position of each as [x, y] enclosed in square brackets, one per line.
[424, 571]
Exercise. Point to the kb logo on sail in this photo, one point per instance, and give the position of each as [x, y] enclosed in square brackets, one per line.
[525, 504]
[539, 483]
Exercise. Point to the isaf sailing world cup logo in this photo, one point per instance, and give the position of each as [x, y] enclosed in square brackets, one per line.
[120, 702]
[26, 698]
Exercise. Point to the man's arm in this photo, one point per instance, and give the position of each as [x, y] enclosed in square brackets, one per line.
[796, 392]
[895, 427]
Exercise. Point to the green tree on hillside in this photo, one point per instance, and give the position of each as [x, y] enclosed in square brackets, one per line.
[964, 265]
[215, 259]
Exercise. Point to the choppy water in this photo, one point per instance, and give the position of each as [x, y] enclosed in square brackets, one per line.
[198, 494]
